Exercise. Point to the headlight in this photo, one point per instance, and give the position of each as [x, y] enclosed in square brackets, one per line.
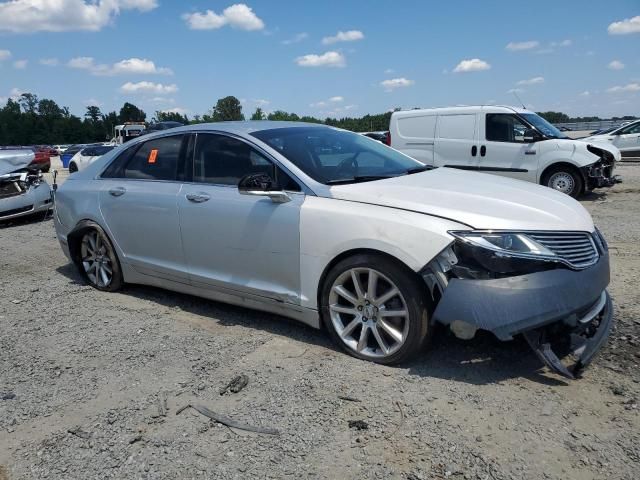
[486, 254]
[515, 244]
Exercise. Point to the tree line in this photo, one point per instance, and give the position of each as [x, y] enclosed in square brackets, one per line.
[29, 120]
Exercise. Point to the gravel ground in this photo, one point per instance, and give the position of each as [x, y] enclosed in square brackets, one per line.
[91, 384]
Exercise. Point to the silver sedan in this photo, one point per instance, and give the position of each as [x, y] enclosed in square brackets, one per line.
[331, 227]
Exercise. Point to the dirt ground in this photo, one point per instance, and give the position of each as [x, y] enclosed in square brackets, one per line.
[91, 384]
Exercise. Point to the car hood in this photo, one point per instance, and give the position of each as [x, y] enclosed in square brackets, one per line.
[481, 201]
[13, 160]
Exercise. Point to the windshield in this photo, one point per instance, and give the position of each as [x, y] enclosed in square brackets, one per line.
[543, 126]
[332, 156]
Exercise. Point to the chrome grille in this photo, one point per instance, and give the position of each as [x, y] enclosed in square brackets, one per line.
[576, 248]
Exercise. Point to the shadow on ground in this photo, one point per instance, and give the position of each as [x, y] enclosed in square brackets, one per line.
[483, 360]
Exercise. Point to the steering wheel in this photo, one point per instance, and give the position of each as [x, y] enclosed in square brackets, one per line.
[348, 163]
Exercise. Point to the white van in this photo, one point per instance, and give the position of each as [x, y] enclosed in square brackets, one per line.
[508, 141]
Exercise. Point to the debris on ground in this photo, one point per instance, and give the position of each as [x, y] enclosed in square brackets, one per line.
[236, 384]
[228, 421]
[358, 424]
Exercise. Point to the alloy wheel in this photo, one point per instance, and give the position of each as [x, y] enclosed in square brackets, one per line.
[96, 260]
[368, 312]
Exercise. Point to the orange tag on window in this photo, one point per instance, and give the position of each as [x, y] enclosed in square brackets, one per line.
[152, 156]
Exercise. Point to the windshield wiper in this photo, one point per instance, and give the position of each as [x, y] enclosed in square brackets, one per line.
[358, 179]
[423, 168]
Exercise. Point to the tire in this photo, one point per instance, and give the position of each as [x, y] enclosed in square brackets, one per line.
[98, 262]
[390, 339]
[73, 167]
[564, 179]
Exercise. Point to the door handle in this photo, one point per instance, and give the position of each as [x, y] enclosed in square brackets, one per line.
[198, 197]
[529, 152]
[117, 191]
[483, 150]
[474, 151]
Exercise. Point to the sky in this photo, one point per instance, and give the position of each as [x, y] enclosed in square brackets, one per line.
[329, 58]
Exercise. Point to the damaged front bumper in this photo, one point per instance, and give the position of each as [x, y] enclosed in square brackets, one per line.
[600, 174]
[23, 193]
[559, 309]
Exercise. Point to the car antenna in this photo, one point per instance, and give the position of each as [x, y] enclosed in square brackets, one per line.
[521, 102]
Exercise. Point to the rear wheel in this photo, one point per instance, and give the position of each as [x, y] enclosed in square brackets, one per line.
[374, 309]
[98, 261]
[73, 167]
[564, 179]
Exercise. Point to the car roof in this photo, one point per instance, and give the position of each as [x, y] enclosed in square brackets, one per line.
[241, 127]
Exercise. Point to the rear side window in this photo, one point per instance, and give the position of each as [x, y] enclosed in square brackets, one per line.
[457, 127]
[631, 129]
[156, 159]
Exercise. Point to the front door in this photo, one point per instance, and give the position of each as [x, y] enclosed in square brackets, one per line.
[503, 150]
[238, 243]
[139, 206]
[628, 140]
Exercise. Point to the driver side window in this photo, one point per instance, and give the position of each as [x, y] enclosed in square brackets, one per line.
[222, 160]
[631, 129]
[504, 127]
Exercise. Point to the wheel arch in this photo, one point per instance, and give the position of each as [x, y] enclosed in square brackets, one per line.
[352, 253]
[74, 237]
[563, 164]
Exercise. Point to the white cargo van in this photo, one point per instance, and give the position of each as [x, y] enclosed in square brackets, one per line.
[508, 141]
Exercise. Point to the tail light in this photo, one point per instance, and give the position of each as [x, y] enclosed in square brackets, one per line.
[388, 140]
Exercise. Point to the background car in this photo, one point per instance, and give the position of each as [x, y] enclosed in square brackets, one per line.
[88, 155]
[380, 136]
[23, 191]
[160, 126]
[626, 138]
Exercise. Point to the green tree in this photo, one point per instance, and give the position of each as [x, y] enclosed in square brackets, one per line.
[130, 113]
[554, 117]
[93, 114]
[258, 114]
[29, 102]
[170, 117]
[226, 109]
[280, 115]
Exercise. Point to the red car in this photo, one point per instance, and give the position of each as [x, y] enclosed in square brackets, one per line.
[42, 158]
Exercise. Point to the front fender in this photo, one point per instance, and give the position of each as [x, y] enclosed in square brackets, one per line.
[330, 227]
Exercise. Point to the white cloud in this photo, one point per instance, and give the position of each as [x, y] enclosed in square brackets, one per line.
[328, 59]
[517, 46]
[92, 102]
[318, 104]
[178, 110]
[472, 65]
[130, 66]
[20, 64]
[14, 94]
[336, 99]
[28, 16]
[148, 87]
[630, 87]
[49, 62]
[349, 36]
[562, 43]
[5, 55]
[238, 16]
[626, 26]
[515, 90]
[586, 93]
[616, 65]
[394, 83]
[324, 103]
[531, 81]
[389, 71]
[297, 38]
[261, 102]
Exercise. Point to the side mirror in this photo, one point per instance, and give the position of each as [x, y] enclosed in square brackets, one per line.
[531, 136]
[262, 185]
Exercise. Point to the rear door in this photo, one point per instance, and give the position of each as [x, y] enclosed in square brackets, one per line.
[241, 244]
[138, 201]
[456, 142]
[503, 150]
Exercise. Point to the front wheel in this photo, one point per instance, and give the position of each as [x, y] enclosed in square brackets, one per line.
[375, 309]
[98, 261]
[564, 179]
[73, 167]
